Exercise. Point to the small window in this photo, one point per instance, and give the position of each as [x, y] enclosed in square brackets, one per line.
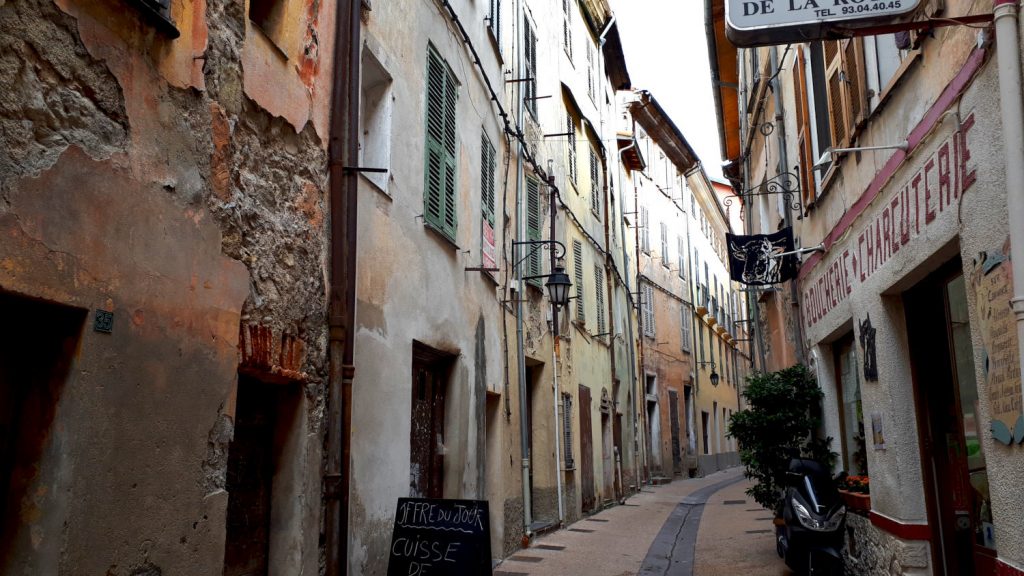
[270, 17]
[375, 120]
[439, 190]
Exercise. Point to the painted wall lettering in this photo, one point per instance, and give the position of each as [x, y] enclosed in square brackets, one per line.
[934, 189]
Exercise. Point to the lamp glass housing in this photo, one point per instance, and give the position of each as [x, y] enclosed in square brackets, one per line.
[714, 378]
[558, 285]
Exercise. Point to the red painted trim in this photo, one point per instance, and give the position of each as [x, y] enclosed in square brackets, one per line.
[931, 118]
[1004, 569]
[901, 530]
[1001, 2]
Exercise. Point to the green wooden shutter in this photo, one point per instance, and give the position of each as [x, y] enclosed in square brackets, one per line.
[599, 292]
[439, 197]
[487, 168]
[577, 266]
[530, 56]
[533, 229]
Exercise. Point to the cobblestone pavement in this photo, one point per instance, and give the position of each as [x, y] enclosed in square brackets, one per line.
[648, 535]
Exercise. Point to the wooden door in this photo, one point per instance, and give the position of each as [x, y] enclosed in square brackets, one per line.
[426, 461]
[677, 450]
[955, 472]
[587, 494]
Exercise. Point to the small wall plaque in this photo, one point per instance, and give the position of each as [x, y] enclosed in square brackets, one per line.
[103, 322]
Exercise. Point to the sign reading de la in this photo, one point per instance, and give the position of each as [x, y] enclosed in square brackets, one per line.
[761, 22]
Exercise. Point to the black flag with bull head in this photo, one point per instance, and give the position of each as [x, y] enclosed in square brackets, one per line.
[756, 261]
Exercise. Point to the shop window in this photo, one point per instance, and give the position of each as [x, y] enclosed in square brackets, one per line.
[851, 413]
[375, 120]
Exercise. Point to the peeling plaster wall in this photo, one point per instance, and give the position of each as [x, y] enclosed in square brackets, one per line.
[157, 179]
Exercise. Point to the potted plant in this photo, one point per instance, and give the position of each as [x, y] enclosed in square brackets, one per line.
[780, 423]
[856, 492]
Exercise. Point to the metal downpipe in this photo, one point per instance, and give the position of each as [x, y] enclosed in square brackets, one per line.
[343, 151]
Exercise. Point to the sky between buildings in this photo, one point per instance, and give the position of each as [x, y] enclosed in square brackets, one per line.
[667, 54]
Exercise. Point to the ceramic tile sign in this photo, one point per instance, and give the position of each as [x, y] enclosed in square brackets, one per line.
[440, 538]
[992, 280]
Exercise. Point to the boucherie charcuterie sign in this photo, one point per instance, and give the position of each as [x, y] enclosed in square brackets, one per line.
[770, 22]
[440, 538]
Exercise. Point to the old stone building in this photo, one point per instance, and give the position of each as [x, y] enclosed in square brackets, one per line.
[163, 182]
[897, 155]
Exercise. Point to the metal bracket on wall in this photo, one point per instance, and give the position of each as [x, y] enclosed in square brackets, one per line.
[786, 184]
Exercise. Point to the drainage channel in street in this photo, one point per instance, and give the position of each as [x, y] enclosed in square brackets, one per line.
[672, 552]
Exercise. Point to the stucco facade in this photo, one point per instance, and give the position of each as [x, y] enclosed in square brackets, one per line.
[904, 313]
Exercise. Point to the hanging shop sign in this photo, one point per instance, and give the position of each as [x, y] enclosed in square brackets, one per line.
[772, 22]
[762, 259]
[992, 281]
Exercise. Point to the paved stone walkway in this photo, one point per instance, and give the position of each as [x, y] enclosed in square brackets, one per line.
[656, 532]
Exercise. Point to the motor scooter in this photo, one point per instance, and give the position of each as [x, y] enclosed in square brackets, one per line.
[810, 538]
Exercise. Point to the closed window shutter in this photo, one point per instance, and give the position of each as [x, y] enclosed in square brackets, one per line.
[440, 164]
[803, 131]
[530, 54]
[599, 291]
[533, 228]
[649, 327]
[570, 129]
[590, 71]
[645, 228]
[844, 71]
[664, 245]
[567, 27]
[684, 327]
[570, 463]
[487, 168]
[577, 265]
[495, 20]
[681, 257]
[595, 185]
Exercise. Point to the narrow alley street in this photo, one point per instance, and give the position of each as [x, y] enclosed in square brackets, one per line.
[690, 527]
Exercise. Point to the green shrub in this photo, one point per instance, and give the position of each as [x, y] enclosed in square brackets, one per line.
[781, 421]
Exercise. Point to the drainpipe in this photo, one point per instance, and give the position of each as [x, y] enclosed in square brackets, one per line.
[556, 353]
[629, 329]
[524, 433]
[343, 151]
[748, 223]
[641, 390]
[1008, 58]
[780, 129]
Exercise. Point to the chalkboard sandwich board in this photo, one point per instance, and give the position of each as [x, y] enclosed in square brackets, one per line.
[440, 538]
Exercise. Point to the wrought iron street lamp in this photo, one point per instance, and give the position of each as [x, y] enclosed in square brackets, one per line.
[558, 285]
[715, 378]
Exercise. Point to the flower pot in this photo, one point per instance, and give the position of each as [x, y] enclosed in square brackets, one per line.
[856, 501]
